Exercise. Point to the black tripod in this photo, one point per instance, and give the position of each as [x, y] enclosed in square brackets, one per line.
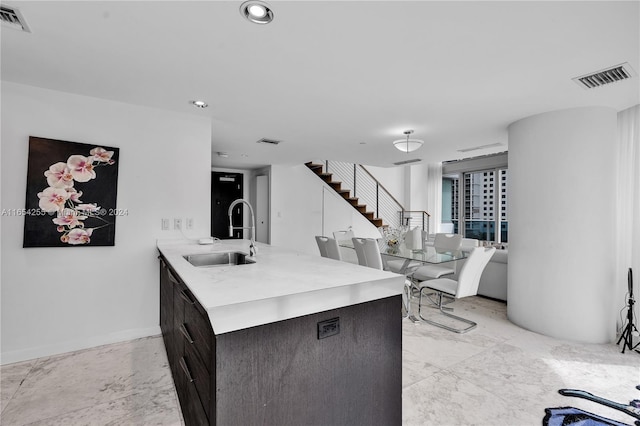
[627, 333]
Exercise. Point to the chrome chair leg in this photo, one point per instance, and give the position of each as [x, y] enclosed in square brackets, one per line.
[437, 304]
[471, 324]
[406, 300]
[433, 304]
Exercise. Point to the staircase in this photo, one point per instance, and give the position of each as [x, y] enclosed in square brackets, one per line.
[318, 169]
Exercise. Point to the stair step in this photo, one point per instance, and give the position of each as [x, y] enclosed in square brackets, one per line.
[377, 222]
[315, 168]
[318, 169]
[335, 185]
[327, 177]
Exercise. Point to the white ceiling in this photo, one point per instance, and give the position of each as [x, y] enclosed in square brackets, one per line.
[333, 80]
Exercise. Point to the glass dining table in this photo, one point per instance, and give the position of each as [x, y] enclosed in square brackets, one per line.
[426, 255]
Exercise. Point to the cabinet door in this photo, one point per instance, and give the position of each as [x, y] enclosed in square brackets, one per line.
[192, 410]
[193, 381]
[188, 338]
[166, 310]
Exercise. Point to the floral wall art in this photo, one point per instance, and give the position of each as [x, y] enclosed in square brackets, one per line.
[71, 194]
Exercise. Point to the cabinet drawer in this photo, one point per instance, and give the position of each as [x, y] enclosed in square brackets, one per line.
[192, 409]
[201, 377]
[199, 328]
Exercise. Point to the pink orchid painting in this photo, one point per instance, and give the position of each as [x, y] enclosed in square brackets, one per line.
[71, 194]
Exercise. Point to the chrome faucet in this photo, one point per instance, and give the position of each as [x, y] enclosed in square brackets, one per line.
[252, 244]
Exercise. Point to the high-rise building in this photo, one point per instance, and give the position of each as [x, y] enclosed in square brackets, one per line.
[484, 202]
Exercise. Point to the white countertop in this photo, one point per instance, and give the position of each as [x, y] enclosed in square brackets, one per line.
[282, 284]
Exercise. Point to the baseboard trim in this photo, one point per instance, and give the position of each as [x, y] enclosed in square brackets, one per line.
[492, 298]
[11, 357]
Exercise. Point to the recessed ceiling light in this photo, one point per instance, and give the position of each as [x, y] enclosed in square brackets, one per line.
[199, 104]
[256, 11]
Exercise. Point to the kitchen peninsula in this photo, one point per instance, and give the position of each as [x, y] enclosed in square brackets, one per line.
[290, 339]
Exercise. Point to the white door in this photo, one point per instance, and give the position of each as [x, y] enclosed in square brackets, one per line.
[262, 209]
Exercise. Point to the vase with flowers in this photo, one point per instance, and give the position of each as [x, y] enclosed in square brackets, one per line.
[392, 238]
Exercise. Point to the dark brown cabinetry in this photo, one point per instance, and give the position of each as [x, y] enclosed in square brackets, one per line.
[188, 337]
[286, 372]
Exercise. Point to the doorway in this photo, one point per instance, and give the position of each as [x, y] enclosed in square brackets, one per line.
[225, 188]
[262, 209]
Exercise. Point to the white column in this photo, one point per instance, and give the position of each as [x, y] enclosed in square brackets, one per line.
[561, 217]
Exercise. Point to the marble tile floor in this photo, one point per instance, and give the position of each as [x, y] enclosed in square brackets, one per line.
[497, 374]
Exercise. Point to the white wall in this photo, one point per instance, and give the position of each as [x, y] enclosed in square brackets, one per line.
[416, 181]
[60, 299]
[394, 179]
[561, 211]
[303, 206]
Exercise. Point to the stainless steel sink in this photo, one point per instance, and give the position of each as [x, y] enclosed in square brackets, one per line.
[219, 259]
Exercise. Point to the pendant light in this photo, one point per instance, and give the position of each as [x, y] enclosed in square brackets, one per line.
[408, 145]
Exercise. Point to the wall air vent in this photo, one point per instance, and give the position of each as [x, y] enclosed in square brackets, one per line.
[400, 163]
[12, 18]
[491, 145]
[269, 141]
[606, 76]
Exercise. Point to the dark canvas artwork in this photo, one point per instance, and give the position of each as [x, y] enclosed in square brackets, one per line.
[71, 194]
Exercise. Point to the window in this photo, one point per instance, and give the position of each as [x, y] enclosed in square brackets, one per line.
[475, 200]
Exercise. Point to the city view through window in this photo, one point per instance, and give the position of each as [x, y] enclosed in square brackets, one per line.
[476, 204]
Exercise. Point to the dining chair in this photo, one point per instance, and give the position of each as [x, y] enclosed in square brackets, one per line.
[328, 247]
[446, 227]
[343, 235]
[442, 242]
[368, 252]
[466, 285]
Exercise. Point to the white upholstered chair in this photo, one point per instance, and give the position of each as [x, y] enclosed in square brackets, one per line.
[343, 235]
[442, 242]
[347, 254]
[448, 242]
[328, 247]
[446, 227]
[368, 252]
[466, 285]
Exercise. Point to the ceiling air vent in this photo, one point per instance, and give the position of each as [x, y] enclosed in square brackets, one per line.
[491, 145]
[400, 163]
[269, 141]
[13, 18]
[607, 76]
